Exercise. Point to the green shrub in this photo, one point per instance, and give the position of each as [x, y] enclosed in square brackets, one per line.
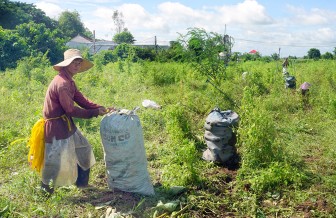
[27, 64]
[276, 177]
[162, 75]
[105, 57]
[180, 167]
[257, 133]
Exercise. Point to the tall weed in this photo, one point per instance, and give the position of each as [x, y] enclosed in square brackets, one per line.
[180, 165]
[266, 164]
[257, 133]
[163, 74]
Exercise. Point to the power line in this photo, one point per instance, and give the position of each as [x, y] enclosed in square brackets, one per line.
[333, 44]
[149, 39]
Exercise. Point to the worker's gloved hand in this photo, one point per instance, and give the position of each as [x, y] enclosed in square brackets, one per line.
[104, 110]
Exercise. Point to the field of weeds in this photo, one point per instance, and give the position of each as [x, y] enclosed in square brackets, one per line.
[286, 144]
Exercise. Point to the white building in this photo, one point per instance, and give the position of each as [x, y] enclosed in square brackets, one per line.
[81, 42]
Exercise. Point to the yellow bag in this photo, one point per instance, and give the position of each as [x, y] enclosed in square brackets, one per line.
[36, 144]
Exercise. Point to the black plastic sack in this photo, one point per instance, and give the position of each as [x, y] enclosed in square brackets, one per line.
[290, 82]
[218, 134]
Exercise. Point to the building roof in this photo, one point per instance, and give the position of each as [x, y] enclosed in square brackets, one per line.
[80, 39]
[253, 51]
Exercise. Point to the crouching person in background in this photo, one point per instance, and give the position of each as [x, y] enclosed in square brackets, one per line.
[304, 88]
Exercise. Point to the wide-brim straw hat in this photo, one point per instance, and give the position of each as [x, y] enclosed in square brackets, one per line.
[69, 56]
[305, 86]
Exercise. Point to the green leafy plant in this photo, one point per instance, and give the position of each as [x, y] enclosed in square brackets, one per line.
[203, 52]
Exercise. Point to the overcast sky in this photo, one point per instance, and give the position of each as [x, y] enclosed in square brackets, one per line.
[264, 25]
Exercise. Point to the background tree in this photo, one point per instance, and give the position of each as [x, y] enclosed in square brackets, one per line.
[314, 53]
[122, 34]
[26, 31]
[12, 48]
[266, 58]
[29, 32]
[71, 25]
[118, 20]
[327, 55]
[173, 53]
[176, 50]
[196, 44]
[148, 54]
[292, 57]
[251, 57]
[40, 39]
[124, 37]
[202, 52]
[16, 13]
[275, 56]
[235, 56]
[123, 51]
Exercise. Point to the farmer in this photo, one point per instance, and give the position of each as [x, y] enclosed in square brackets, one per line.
[285, 63]
[284, 67]
[305, 93]
[68, 155]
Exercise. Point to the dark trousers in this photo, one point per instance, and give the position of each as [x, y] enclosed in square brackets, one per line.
[83, 177]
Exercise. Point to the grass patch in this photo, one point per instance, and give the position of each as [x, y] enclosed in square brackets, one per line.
[286, 148]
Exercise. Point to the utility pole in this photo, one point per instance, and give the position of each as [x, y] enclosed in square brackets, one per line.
[155, 42]
[94, 42]
[279, 59]
[227, 47]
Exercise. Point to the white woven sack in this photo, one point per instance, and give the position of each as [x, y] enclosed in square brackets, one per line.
[124, 153]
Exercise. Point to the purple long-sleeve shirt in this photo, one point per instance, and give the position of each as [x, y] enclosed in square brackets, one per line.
[61, 96]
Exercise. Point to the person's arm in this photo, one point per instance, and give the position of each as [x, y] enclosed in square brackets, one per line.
[90, 110]
[84, 102]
